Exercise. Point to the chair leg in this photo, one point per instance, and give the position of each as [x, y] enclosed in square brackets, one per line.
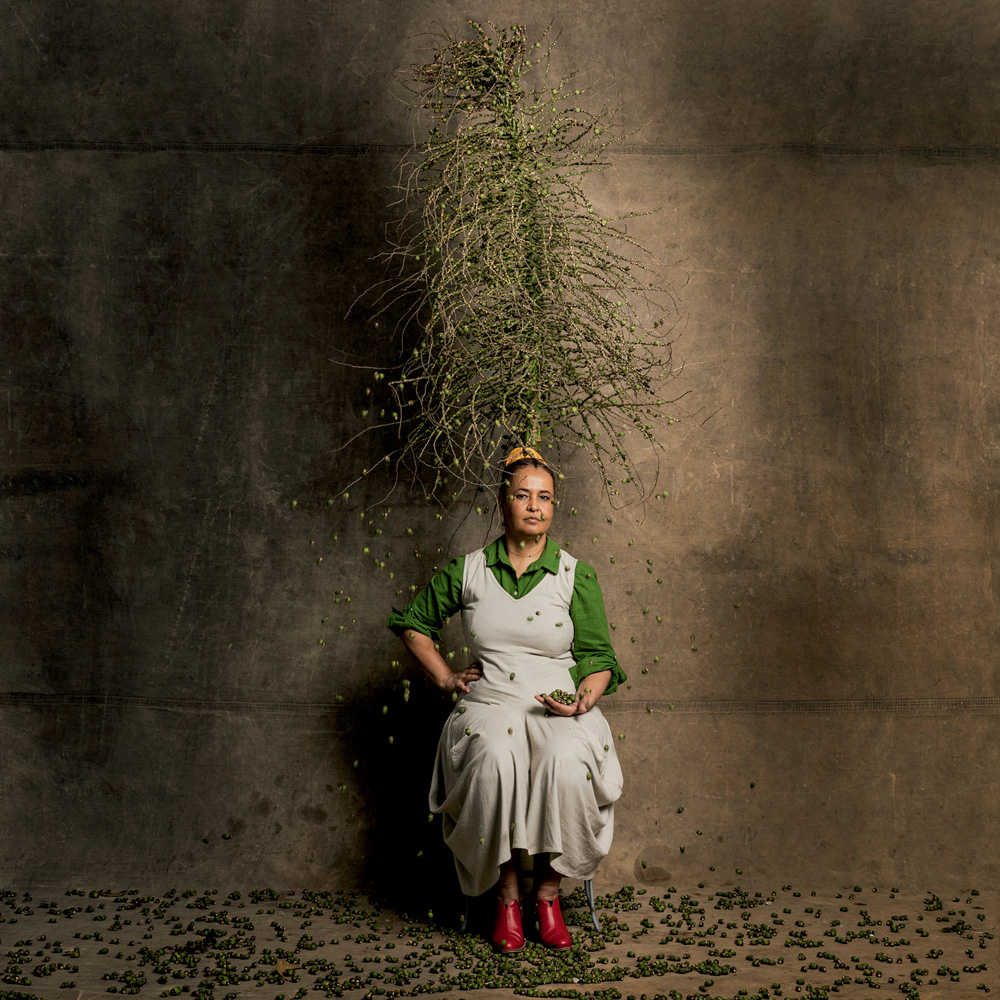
[588, 888]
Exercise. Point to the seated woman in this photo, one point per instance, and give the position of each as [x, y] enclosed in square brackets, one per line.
[516, 769]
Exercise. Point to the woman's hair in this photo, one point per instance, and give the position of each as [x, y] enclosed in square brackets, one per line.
[519, 465]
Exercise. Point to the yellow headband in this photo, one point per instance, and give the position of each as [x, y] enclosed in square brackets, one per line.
[521, 452]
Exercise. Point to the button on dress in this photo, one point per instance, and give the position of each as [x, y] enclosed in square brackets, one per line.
[507, 776]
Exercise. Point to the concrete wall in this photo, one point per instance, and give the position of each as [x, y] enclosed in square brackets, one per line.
[192, 196]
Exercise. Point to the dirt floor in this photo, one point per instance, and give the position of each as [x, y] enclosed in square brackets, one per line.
[676, 942]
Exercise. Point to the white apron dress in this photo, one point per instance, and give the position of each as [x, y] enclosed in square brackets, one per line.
[506, 776]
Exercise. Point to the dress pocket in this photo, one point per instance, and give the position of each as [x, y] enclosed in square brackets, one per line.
[461, 743]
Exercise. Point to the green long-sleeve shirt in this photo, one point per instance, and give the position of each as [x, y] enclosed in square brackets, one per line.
[430, 610]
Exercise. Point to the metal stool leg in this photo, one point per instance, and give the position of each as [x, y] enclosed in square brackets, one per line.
[588, 888]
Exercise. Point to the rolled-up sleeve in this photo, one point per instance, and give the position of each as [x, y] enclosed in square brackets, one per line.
[430, 610]
[592, 649]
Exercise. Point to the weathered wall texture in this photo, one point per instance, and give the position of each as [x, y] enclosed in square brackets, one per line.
[191, 198]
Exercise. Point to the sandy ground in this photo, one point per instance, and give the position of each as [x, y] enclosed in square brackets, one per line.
[677, 942]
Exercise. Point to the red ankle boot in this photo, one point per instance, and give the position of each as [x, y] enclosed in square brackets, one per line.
[551, 926]
[508, 935]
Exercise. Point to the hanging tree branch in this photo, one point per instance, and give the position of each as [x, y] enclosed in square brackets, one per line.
[521, 320]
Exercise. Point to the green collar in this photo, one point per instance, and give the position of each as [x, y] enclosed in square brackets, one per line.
[496, 552]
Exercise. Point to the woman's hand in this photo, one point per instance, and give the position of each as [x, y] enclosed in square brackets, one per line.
[576, 707]
[459, 680]
[433, 664]
[591, 688]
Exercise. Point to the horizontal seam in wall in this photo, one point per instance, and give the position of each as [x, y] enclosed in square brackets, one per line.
[168, 146]
[611, 706]
[382, 149]
[809, 149]
[829, 706]
[86, 700]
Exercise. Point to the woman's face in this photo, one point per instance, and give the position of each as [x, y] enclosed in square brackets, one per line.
[530, 503]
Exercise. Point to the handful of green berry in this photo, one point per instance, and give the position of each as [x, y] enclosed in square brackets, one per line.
[563, 697]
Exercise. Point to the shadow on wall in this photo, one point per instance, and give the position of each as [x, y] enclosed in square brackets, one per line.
[409, 864]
